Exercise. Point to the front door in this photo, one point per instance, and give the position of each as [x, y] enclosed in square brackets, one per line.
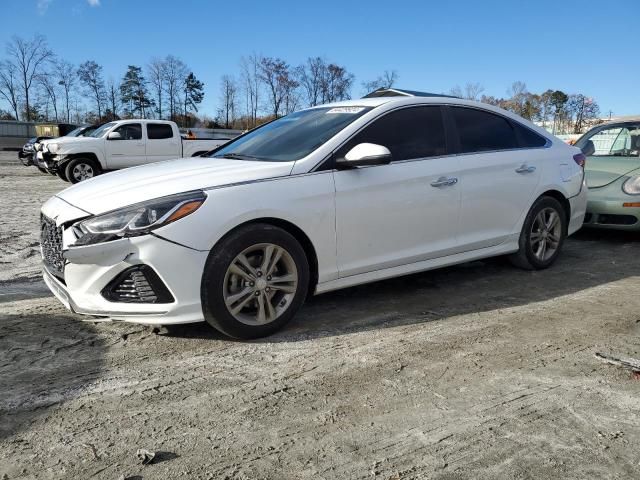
[128, 150]
[403, 212]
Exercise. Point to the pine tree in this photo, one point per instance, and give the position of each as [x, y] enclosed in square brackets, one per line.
[133, 92]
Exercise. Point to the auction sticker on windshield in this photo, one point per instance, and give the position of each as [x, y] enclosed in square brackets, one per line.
[346, 110]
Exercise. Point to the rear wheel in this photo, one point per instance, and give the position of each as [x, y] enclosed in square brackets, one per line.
[254, 282]
[81, 169]
[542, 236]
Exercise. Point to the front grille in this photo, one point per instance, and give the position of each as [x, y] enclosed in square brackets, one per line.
[51, 243]
[137, 284]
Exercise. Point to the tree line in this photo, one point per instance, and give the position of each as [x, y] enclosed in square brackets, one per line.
[554, 109]
[41, 86]
[38, 85]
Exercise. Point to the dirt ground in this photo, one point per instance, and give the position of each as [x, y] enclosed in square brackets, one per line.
[477, 371]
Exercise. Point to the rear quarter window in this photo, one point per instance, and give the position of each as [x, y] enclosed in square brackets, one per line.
[528, 138]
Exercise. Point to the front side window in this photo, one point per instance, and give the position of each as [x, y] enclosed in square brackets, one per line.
[130, 131]
[620, 141]
[292, 137]
[159, 131]
[100, 131]
[409, 133]
[481, 131]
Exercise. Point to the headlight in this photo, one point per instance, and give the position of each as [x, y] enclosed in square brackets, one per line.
[137, 219]
[632, 186]
[53, 147]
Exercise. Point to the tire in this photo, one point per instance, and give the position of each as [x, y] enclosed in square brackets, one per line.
[227, 277]
[541, 245]
[61, 173]
[80, 169]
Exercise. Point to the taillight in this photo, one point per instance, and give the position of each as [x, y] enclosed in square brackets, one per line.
[580, 159]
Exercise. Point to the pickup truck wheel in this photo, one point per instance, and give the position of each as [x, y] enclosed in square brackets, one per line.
[61, 174]
[81, 169]
[254, 281]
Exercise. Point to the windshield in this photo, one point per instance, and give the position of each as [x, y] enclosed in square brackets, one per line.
[98, 132]
[74, 133]
[292, 137]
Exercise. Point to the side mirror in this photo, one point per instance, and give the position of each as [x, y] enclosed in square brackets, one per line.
[114, 136]
[365, 154]
[589, 148]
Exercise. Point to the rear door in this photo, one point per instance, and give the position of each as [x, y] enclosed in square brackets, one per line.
[129, 149]
[403, 212]
[162, 142]
[498, 178]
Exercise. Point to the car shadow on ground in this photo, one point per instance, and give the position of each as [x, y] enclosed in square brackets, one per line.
[590, 258]
[49, 365]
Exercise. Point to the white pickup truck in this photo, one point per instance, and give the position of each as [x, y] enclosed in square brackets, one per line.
[119, 144]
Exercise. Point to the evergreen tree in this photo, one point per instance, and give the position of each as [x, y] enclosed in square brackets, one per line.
[133, 92]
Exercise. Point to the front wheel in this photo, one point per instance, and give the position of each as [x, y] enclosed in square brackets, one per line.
[542, 236]
[81, 169]
[255, 280]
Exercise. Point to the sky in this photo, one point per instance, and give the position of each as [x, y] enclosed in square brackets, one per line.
[578, 46]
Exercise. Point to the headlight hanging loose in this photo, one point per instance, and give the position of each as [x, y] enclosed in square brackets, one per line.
[632, 186]
[137, 219]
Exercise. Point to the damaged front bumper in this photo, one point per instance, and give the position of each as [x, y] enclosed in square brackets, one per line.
[144, 279]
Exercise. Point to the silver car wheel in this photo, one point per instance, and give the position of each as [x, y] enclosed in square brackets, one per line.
[82, 171]
[260, 284]
[546, 233]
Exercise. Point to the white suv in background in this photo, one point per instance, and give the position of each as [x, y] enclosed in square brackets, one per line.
[322, 199]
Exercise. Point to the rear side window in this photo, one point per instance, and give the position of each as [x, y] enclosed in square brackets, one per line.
[158, 131]
[409, 133]
[481, 131]
[528, 138]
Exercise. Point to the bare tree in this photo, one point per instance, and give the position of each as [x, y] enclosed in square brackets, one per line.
[50, 89]
[387, 80]
[311, 78]
[9, 88]
[518, 96]
[156, 75]
[228, 91]
[473, 91]
[456, 92]
[174, 74]
[278, 78]
[90, 75]
[113, 90]
[29, 58]
[65, 74]
[250, 74]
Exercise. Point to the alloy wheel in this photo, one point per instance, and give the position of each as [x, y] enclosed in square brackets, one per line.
[546, 232]
[82, 171]
[260, 284]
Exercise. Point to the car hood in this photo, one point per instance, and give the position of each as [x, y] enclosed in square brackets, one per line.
[601, 171]
[138, 184]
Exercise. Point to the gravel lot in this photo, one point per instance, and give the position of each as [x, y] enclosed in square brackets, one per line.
[477, 371]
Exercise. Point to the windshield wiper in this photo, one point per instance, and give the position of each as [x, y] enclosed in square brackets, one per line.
[237, 156]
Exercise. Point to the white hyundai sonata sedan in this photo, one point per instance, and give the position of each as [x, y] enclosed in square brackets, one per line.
[322, 199]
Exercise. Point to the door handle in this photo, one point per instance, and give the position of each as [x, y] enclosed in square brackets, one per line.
[444, 182]
[525, 169]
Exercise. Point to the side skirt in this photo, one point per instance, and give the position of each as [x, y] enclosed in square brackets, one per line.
[510, 246]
